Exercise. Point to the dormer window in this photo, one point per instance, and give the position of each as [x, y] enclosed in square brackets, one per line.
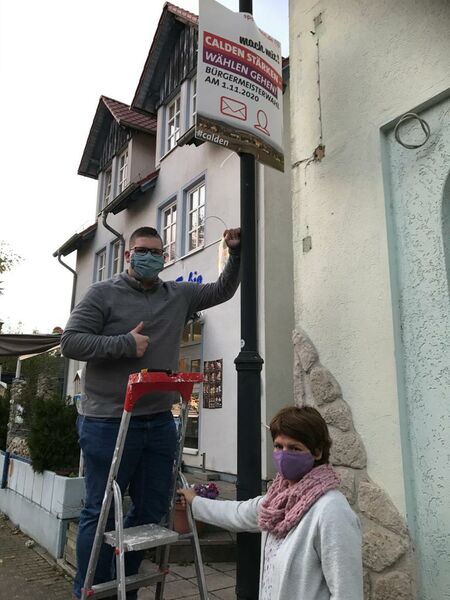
[123, 171]
[173, 123]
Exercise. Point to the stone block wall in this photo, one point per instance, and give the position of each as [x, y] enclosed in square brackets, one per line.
[16, 441]
[389, 571]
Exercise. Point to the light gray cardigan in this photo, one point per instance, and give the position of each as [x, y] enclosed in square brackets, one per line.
[320, 559]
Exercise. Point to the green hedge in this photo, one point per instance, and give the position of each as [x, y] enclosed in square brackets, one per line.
[53, 439]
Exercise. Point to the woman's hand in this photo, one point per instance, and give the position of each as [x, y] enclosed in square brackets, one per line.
[187, 495]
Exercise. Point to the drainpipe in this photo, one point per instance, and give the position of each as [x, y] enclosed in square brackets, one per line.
[72, 304]
[74, 284]
[118, 235]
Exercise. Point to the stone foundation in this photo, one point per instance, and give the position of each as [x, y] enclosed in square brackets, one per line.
[387, 549]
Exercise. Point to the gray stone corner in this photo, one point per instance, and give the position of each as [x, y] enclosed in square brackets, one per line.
[304, 350]
[387, 551]
[377, 506]
[338, 414]
[348, 482]
[324, 386]
[395, 585]
[347, 449]
[382, 548]
[367, 585]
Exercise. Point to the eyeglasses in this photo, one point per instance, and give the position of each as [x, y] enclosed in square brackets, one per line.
[143, 251]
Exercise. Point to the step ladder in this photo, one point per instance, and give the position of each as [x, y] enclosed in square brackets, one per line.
[151, 535]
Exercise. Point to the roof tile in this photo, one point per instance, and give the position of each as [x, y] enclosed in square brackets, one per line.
[184, 14]
[128, 117]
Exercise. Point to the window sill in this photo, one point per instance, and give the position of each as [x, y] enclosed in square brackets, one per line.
[191, 451]
[191, 252]
[169, 152]
[189, 138]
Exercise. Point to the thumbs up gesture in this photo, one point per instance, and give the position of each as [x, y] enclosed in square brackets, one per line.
[141, 341]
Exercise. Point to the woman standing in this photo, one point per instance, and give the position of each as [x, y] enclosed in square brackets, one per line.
[311, 542]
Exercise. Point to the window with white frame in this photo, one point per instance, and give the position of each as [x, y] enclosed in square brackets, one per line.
[106, 199]
[193, 100]
[196, 217]
[173, 123]
[100, 274]
[115, 257]
[123, 171]
[169, 230]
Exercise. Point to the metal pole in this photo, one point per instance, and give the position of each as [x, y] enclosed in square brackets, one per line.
[248, 366]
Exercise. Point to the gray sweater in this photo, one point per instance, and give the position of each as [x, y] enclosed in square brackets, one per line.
[98, 332]
[319, 559]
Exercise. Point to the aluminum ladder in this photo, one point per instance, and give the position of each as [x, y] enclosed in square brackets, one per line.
[151, 535]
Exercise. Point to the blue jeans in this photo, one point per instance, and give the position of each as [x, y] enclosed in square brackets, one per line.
[145, 469]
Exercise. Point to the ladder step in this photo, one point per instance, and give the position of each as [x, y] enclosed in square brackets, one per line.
[132, 582]
[143, 537]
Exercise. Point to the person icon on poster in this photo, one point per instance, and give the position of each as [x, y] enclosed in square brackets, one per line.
[262, 122]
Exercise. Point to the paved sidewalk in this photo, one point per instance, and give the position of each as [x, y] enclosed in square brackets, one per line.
[26, 575]
[181, 583]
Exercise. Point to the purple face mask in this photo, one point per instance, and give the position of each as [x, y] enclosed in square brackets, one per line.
[293, 465]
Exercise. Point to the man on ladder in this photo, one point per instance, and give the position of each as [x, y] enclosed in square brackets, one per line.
[131, 322]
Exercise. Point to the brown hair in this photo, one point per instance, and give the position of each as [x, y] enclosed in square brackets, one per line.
[148, 232]
[306, 425]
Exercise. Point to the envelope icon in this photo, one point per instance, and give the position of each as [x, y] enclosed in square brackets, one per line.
[233, 108]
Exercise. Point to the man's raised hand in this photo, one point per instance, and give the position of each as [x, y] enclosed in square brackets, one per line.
[141, 341]
[232, 237]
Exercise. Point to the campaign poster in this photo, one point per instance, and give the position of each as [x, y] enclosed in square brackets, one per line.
[239, 85]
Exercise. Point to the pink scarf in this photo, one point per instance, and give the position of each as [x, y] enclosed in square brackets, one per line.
[284, 506]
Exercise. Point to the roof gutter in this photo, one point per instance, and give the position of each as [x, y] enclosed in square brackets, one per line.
[118, 235]
[72, 304]
[75, 276]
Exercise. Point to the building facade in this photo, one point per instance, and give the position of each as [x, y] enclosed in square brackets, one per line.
[151, 171]
[371, 206]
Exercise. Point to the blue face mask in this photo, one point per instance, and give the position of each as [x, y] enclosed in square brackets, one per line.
[146, 266]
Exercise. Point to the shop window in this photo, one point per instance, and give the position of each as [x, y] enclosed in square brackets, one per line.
[190, 361]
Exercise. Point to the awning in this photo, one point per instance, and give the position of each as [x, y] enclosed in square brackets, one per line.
[23, 344]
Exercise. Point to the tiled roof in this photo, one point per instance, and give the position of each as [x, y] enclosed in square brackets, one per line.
[172, 17]
[126, 116]
[180, 12]
[107, 110]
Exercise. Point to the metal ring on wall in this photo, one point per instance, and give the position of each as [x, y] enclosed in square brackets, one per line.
[425, 127]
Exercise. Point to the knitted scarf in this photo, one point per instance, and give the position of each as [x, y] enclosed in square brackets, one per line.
[284, 506]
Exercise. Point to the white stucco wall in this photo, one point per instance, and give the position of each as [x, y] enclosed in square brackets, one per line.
[374, 61]
[276, 309]
[142, 155]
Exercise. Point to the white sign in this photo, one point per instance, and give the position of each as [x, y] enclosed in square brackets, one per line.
[239, 85]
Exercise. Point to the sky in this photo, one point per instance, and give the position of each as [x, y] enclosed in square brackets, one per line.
[56, 59]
